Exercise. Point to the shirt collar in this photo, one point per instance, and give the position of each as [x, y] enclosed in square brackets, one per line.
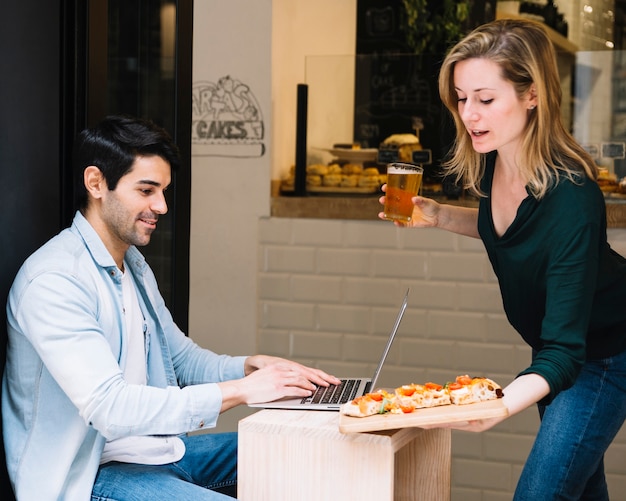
[98, 250]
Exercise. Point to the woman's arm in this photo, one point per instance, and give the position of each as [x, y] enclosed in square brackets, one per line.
[523, 392]
[461, 220]
[429, 213]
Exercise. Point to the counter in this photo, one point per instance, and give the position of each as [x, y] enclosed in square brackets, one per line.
[345, 207]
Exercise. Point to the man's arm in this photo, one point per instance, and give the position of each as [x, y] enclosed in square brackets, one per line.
[270, 378]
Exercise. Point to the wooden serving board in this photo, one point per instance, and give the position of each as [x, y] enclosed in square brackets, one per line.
[423, 417]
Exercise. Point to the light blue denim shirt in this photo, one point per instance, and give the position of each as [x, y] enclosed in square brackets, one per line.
[64, 393]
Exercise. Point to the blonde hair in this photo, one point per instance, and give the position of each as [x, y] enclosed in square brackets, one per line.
[525, 56]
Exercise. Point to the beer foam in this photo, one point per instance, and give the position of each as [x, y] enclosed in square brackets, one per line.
[404, 169]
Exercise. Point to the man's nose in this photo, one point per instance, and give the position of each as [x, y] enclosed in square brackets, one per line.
[159, 204]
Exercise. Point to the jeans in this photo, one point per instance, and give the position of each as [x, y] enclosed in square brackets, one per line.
[567, 459]
[209, 464]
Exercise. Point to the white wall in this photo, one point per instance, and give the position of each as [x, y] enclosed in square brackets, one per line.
[264, 45]
[329, 292]
[230, 177]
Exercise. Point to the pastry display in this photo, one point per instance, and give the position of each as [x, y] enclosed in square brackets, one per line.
[399, 147]
[350, 177]
[611, 186]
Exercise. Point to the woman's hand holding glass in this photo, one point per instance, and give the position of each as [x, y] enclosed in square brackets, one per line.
[425, 212]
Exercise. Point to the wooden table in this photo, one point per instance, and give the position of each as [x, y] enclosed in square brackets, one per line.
[287, 455]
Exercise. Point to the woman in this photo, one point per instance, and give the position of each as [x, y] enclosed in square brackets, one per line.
[542, 219]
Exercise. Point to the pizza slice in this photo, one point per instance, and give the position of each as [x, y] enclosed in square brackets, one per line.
[424, 395]
[435, 395]
[368, 404]
[404, 399]
[400, 405]
[410, 397]
[467, 390]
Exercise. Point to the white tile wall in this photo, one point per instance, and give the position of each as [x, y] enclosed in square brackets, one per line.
[329, 292]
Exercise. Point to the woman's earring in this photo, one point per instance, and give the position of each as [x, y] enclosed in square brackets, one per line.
[532, 107]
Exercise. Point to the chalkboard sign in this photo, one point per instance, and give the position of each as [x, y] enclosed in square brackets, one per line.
[613, 150]
[393, 86]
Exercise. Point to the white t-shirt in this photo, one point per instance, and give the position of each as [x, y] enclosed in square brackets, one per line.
[135, 369]
[139, 449]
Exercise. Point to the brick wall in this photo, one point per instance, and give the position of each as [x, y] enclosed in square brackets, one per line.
[329, 291]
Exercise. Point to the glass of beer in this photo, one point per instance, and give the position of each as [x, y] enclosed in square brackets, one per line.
[403, 183]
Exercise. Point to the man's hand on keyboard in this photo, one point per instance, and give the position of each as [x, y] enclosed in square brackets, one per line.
[270, 378]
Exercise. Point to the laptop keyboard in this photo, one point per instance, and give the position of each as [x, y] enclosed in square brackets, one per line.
[334, 394]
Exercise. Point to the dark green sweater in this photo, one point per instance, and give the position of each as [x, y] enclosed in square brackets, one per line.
[563, 288]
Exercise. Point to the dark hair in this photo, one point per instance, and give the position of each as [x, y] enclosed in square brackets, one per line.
[114, 144]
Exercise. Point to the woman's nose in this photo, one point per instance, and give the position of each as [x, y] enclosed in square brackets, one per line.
[467, 112]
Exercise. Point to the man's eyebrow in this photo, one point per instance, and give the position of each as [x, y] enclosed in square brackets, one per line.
[148, 181]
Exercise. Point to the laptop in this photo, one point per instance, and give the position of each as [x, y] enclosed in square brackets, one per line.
[331, 398]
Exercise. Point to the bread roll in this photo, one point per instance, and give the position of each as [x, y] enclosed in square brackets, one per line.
[349, 169]
[607, 180]
[368, 181]
[332, 180]
[350, 181]
[317, 169]
[313, 180]
[334, 169]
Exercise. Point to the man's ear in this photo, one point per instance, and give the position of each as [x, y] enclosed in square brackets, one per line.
[94, 181]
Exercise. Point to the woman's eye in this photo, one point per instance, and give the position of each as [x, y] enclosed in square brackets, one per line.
[461, 99]
[486, 101]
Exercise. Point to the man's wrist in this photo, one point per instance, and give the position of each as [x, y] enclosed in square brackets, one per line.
[251, 364]
[231, 395]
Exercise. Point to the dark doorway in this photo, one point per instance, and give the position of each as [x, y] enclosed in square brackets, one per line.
[65, 64]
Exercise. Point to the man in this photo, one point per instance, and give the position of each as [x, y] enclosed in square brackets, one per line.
[100, 386]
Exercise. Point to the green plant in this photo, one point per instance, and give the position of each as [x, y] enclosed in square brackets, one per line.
[431, 26]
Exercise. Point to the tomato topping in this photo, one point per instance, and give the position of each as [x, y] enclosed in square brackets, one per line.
[433, 386]
[407, 390]
[406, 408]
[464, 380]
[455, 386]
[375, 396]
